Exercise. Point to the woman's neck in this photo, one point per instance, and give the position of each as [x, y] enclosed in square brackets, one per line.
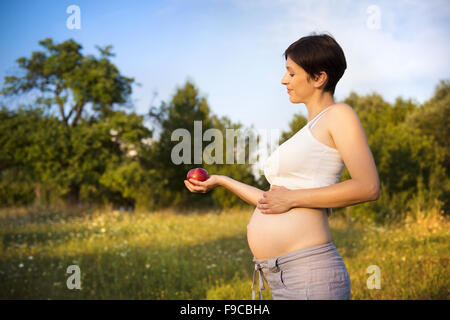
[317, 103]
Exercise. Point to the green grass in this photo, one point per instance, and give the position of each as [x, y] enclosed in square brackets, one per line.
[166, 255]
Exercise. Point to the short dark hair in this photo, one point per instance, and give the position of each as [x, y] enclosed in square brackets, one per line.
[316, 53]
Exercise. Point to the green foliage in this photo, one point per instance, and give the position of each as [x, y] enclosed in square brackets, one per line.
[35, 157]
[185, 108]
[103, 149]
[432, 120]
[64, 159]
[407, 159]
[241, 172]
[69, 80]
[33, 150]
[110, 157]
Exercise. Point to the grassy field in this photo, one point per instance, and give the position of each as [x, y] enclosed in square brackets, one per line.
[166, 255]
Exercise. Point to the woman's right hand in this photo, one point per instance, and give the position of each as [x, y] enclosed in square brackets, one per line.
[198, 186]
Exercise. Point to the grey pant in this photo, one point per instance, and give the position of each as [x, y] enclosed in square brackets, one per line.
[314, 273]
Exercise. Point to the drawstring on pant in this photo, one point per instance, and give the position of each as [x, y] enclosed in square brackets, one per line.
[272, 266]
[261, 286]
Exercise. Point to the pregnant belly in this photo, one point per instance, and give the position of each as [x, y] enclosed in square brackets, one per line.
[272, 235]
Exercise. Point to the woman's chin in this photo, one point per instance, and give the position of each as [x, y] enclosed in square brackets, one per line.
[294, 100]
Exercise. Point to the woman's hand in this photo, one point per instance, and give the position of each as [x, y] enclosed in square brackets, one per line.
[198, 186]
[276, 200]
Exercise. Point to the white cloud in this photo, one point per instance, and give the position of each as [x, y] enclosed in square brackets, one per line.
[406, 56]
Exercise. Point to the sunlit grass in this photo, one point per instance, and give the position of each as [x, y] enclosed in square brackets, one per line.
[166, 255]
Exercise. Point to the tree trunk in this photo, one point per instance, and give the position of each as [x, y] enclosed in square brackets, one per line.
[73, 195]
[79, 110]
[37, 193]
[113, 206]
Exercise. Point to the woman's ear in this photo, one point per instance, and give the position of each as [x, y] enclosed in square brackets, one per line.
[320, 79]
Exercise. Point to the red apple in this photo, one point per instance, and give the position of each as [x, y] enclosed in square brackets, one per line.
[198, 174]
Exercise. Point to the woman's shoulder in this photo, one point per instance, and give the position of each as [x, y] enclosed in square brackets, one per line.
[342, 113]
[344, 124]
[341, 107]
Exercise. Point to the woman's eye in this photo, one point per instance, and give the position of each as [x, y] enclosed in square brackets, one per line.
[291, 74]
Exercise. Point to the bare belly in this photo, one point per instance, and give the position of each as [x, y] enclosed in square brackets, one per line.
[272, 235]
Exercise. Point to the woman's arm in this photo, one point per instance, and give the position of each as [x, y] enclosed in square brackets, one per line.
[350, 192]
[342, 194]
[244, 191]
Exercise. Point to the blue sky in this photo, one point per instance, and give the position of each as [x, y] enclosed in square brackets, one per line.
[232, 50]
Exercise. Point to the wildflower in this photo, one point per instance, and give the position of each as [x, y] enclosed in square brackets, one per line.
[30, 258]
[21, 265]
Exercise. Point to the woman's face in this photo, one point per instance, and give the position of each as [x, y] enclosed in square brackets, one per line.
[296, 81]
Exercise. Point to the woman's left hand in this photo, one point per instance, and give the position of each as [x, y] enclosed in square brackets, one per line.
[276, 200]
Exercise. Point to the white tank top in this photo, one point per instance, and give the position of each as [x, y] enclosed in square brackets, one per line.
[303, 162]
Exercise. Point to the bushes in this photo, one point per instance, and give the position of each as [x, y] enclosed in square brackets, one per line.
[115, 160]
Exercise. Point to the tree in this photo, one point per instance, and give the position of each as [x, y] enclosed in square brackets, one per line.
[70, 80]
[405, 158]
[66, 79]
[123, 175]
[34, 159]
[242, 172]
[32, 156]
[186, 107]
[432, 120]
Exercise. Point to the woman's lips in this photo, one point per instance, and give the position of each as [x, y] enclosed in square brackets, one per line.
[289, 90]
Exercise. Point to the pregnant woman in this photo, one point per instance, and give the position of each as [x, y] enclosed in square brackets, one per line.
[288, 232]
